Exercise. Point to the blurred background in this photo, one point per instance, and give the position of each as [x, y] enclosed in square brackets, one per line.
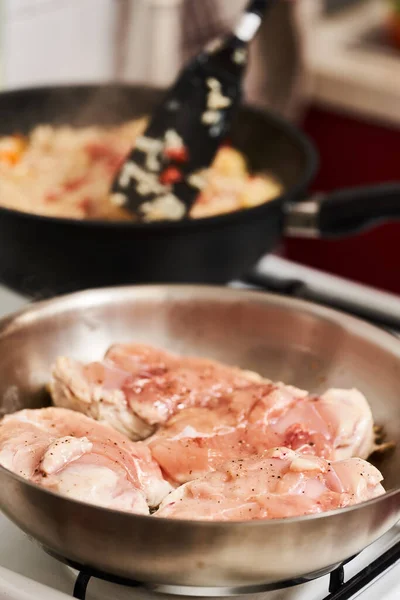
[332, 66]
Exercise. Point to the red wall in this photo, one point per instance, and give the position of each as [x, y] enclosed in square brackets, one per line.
[353, 152]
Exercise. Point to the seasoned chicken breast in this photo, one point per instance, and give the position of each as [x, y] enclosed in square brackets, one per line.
[73, 455]
[137, 387]
[336, 425]
[281, 483]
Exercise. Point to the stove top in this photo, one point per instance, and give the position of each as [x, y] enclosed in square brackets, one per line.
[28, 573]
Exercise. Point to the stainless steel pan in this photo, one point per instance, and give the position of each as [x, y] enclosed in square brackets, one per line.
[282, 338]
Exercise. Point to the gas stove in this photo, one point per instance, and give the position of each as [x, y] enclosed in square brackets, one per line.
[28, 573]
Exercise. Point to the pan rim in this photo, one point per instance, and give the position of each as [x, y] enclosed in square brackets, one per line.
[96, 296]
[300, 139]
[200, 522]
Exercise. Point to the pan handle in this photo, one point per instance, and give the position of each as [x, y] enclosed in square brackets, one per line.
[343, 212]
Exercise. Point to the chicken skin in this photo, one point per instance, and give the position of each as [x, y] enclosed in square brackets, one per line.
[281, 483]
[71, 454]
[137, 388]
[336, 425]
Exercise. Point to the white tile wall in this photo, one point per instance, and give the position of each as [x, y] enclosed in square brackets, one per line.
[153, 41]
[56, 41]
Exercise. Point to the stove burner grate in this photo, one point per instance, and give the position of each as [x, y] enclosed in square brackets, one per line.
[339, 589]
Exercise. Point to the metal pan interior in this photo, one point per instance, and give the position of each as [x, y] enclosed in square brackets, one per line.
[285, 339]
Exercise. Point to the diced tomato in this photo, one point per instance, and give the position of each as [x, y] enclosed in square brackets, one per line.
[97, 151]
[202, 198]
[86, 204]
[101, 152]
[74, 184]
[177, 154]
[114, 162]
[52, 197]
[170, 175]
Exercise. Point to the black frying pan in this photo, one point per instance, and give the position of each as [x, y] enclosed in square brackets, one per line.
[44, 256]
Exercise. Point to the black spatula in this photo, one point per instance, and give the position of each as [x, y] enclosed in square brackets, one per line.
[160, 179]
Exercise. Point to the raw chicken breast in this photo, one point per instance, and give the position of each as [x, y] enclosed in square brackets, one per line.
[197, 440]
[137, 387]
[281, 483]
[73, 455]
[335, 426]
[98, 391]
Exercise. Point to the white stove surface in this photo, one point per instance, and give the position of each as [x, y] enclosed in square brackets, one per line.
[28, 573]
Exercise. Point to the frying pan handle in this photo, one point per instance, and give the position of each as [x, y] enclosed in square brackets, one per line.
[344, 212]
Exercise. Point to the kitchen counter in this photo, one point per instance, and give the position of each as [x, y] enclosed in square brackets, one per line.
[353, 66]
